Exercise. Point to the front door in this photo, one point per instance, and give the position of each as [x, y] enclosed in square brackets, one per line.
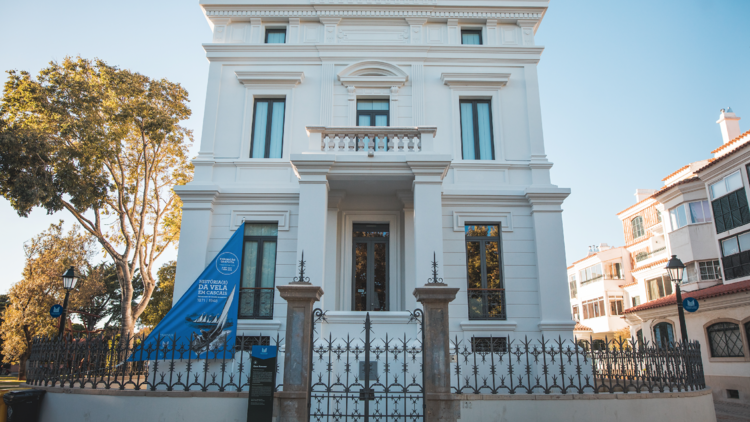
[370, 267]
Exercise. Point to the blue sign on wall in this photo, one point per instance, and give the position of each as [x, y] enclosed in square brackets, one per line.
[55, 311]
[205, 317]
[690, 304]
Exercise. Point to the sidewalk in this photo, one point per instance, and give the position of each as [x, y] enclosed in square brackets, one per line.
[731, 412]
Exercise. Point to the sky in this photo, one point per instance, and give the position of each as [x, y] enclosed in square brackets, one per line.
[630, 91]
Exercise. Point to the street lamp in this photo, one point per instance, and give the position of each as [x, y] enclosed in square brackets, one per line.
[69, 283]
[676, 269]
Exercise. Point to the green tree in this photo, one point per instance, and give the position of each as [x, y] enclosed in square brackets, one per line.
[106, 145]
[48, 255]
[161, 299]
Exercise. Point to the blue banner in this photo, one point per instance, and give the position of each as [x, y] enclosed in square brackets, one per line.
[205, 317]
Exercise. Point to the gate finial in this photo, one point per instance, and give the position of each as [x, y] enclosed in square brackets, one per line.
[434, 279]
[301, 277]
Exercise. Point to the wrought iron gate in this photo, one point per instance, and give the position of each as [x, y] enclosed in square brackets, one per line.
[343, 390]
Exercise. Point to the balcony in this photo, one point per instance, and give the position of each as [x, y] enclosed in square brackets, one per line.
[369, 140]
[642, 256]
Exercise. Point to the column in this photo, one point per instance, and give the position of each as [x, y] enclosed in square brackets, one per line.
[294, 400]
[428, 216]
[333, 301]
[195, 231]
[407, 198]
[417, 94]
[326, 94]
[313, 213]
[440, 404]
[554, 308]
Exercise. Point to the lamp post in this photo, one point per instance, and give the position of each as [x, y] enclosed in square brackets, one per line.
[69, 283]
[675, 268]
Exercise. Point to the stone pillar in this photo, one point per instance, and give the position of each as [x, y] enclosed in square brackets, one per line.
[294, 400]
[440, 405]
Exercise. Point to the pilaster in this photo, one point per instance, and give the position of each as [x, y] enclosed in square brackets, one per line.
[454, 34]
[527, 30]
[417, 94]
[293, 33]
[491, 26]
[220, 28]
[329, 32]
[546, 212]
[328, 77]
[256, 31]
[416, 26]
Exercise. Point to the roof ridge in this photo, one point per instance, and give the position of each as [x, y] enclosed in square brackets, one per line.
[730, 142]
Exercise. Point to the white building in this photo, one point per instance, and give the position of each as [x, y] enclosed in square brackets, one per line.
[373, 136]
[707, 228]
[597, 297]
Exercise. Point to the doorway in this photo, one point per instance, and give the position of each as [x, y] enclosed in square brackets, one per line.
[370, 267]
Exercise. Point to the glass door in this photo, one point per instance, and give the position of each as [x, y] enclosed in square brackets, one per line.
[370, 267]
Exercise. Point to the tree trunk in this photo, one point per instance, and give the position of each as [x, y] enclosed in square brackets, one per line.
[22, 360]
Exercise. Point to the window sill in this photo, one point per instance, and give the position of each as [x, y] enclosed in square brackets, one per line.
[267, 325]
[376, 317]
[729, 360]
[488, 325]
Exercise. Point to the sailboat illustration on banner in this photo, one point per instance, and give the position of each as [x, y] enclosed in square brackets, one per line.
[215, 338]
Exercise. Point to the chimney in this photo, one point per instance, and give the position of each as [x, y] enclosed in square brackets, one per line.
[641, 194]
[729, 124]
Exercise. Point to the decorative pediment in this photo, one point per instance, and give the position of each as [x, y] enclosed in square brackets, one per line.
[475, 80]
[373, 74]
[288, 79]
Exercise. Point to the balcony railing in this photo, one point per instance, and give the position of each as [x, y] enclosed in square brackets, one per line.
[371, 139]
[644, 256]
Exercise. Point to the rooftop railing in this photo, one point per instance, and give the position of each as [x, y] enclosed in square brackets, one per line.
[644, 256]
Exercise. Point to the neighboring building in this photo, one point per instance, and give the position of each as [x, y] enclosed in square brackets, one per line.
[597, 297]
[708, 228]
[372, 136]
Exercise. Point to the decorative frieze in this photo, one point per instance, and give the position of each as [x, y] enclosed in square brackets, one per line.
[375, 13]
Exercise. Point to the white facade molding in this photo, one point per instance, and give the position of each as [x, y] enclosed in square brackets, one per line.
[475, 80]
[369, 11]
[460, 219]
[357, 318]
[281, 217]
[253, 79]
[489, 326]
[565, 326]
[253, 326]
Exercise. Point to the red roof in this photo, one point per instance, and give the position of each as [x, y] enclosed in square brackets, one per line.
[629, 284]
[651, 265]
[581, 327]
[728, 144]
[713, 291]
[731, 153]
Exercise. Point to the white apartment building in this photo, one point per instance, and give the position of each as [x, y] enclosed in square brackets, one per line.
[597, 296]
[708, 229]
[375, 137]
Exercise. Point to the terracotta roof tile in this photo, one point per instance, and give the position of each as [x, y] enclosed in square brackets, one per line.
[651, 265]
[629, 284]
[672, 174]
[713, 291]
[581, 327]
[728, 144]
[729, 154]
[634, 205]
[681, 182]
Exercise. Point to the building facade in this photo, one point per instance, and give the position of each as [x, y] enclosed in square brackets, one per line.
[706, 224]
[371, 139]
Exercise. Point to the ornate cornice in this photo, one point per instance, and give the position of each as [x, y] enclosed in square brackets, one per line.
[369, 11]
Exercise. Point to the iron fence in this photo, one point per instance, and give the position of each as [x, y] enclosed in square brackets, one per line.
[360, 378]
[101, 361]
[510, 366]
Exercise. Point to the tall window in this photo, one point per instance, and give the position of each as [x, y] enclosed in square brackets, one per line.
[373, 113]
[275, 36]
[725, 340]
[576, 313]
[735, 253]
[268, 128]
[637, 224]
[636, 300]
[690, 213]
[663, 335]
[729, 203]
[658, 287]
[476, 130]
[258, 271]
[484, 272]
[615, 305]
[593, 308]
[613, 270]
[471, 37]
[573, 286]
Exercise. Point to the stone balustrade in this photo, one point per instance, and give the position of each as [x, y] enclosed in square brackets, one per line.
[371, 139]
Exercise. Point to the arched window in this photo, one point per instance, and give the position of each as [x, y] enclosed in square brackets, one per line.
[663, 335]
[725, 340]
[637, 223]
